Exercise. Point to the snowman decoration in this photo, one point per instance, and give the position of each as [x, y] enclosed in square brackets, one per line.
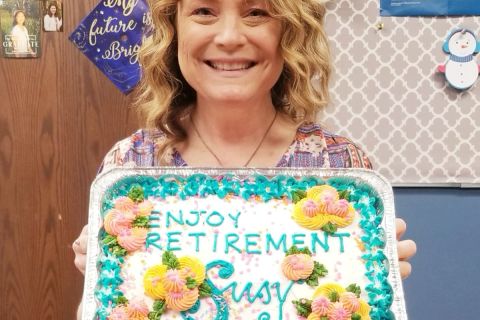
[461, 70]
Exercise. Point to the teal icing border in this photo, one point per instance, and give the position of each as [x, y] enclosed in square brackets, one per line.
[363, 197]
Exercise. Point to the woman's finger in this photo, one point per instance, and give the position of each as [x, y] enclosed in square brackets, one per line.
[405, 269]
[406, 249]
[400, 227]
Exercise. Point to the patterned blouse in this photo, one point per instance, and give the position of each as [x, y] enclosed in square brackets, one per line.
[311, 147]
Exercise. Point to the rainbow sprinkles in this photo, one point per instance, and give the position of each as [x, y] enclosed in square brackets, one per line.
[273, 244]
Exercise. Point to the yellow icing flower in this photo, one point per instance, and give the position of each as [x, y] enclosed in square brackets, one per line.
[348, 303]
[152, 282]
[192, 267]
[314, 316]
[322, 193]
[297, 266]
[322, 206]
[364, 310]
[326, 289]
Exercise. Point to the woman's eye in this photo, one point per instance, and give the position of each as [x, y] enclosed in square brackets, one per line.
[258, 13]
[202, 12]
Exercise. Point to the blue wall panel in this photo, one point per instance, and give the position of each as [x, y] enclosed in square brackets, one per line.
[445, 223]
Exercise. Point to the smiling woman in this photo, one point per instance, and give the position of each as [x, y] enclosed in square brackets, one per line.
[228, 83]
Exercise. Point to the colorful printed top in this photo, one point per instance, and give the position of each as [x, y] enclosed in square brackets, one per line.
[311, 147]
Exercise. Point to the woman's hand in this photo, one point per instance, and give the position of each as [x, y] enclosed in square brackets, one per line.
[406, 249]
[80, 248]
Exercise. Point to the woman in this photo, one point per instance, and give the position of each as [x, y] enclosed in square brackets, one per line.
[227, 83]
[51, 21]
[19, 34]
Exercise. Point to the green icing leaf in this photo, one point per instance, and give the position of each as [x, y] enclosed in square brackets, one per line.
[356, 316]
[295, 250]
[121, 300]
[136, 193]
[110, 240]
[153, 315]
[204, 290]
[191, 283]
[344, 194]
[298, 195]
[355, 289]
[141, 221]
[112, 244]
[159, 306]
[329, 228]
[323, 318]
[334, 296]
[312, 281]
[303, 306]
[170, 260]
[118, 251]
[319, 271]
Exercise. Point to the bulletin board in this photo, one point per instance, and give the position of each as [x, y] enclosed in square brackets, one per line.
[388, 98]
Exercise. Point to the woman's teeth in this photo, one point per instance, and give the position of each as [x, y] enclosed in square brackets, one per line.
[230, 66]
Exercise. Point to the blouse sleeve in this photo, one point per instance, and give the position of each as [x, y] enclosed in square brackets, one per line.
[343, 153]
[116, 156]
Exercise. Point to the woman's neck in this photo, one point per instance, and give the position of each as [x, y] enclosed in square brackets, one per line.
[236, 136]
[233, 123]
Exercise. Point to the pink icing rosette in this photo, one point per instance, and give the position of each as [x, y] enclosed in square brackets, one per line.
[338, 208]
[297, 266]
[350, 301]
[132, 239]
[117, 221]
[137, 310]
[125, 204]
[144, 208]
[320, 305]
[118, 313]
[181, 301]
[174, 281]
[310, 208]
[336, 311]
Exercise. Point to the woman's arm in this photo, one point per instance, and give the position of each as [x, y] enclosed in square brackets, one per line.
[80, 248]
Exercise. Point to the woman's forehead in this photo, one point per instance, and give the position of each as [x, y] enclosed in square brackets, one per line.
[241, 2]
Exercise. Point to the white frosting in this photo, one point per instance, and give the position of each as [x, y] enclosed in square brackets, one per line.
[272, 217]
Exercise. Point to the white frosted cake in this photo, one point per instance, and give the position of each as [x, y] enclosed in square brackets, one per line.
[242, 245]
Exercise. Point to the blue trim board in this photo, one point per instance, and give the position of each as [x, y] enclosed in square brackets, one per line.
[445, 223]
[429, 7]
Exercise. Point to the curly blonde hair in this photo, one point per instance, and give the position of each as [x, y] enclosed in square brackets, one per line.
[165, 98]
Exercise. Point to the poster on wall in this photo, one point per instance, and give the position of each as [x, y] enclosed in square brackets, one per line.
[111, 36]
[52, 16]
[20, 29]
[429, 7]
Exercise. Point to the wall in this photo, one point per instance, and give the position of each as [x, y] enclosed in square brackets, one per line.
[388, 97]
[58, 117]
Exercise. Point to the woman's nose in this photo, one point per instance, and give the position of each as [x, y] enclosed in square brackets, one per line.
[230, 34]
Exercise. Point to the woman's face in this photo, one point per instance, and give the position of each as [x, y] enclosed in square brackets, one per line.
[228, 50]
[20, 18]
[53, 9]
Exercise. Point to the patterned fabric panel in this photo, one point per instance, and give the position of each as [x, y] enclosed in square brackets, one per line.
[312, 147]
